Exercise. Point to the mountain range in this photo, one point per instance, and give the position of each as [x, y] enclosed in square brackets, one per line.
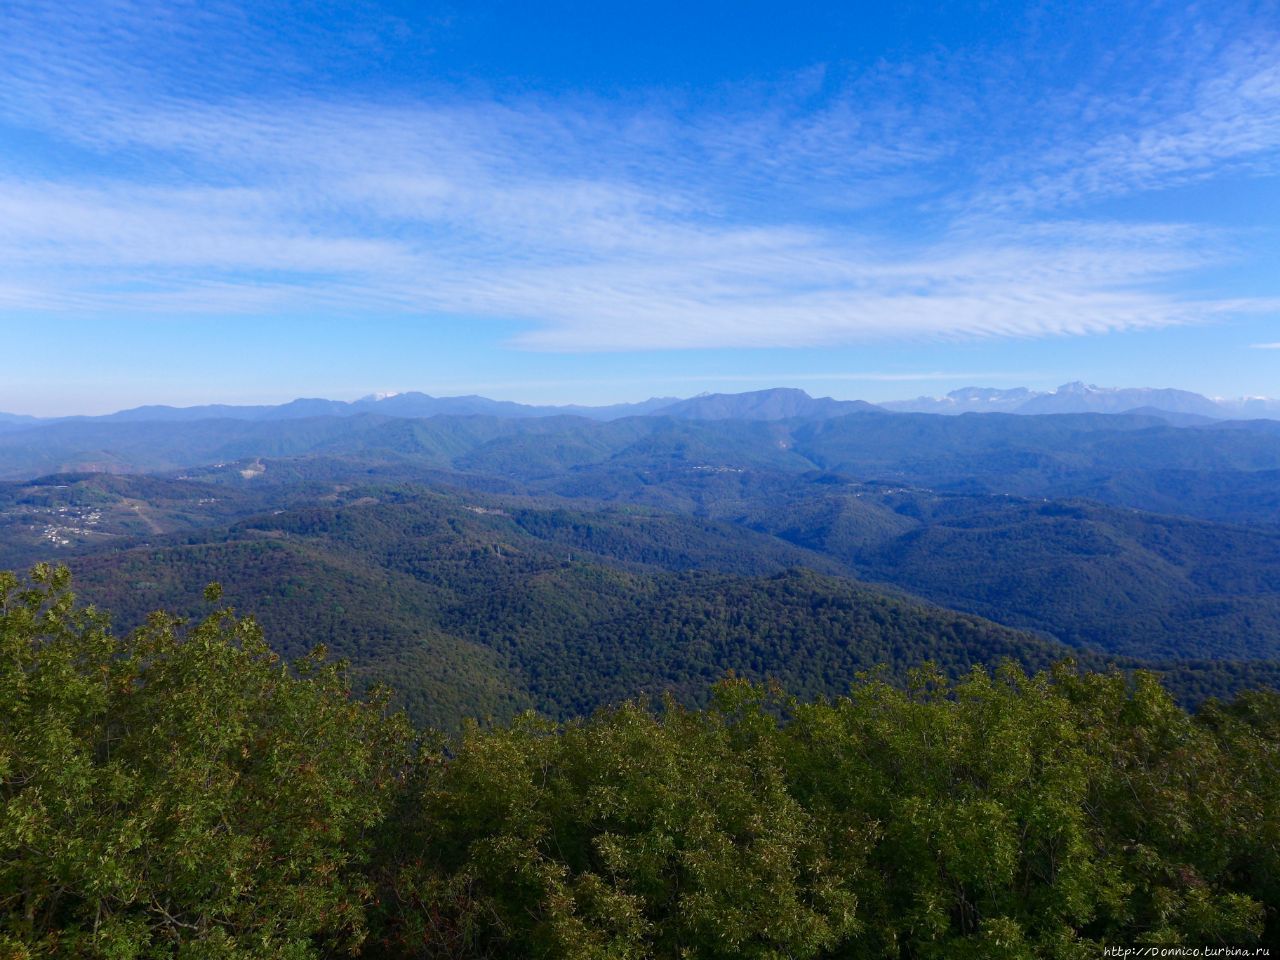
[1078, 397]
[1180, 407]
[486, 557]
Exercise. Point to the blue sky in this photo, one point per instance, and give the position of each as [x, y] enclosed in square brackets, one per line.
[592, 202]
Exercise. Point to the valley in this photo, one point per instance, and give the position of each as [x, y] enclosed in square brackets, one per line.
[483, 566]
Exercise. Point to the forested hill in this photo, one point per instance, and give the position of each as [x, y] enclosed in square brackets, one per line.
[426, 548]
[472, 605]
[482, 610]
[1131, 583]
[186, 791]
[1221, 471]
[180, 792]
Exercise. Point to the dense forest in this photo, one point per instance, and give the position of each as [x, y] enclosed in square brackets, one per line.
[474, 603]
[180, 791]
[863, 686]
[485, 606]
[1219, 471]
[1120, 534]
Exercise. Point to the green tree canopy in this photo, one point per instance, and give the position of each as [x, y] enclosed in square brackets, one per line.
[179, 791]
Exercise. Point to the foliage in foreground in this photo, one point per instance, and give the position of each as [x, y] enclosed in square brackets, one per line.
[179, 793]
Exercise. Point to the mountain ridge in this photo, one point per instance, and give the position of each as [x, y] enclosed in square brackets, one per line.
[1080, 397]
[773, 403]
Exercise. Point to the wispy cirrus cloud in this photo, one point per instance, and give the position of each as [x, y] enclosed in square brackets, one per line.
[1225, 120]
[805, 214]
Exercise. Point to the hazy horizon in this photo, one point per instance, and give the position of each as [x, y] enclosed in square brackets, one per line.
[674, 394]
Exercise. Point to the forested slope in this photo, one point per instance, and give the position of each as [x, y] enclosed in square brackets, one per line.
[182, 793]
[1127, 583]
[1216, 471]
[475, 606]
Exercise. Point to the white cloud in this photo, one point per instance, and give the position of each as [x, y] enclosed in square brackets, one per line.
[1230, 117]
[760, 219]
